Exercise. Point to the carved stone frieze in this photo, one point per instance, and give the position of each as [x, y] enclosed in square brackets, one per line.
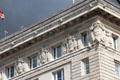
[20, 66]
[79, 40]
[71, 43]
[43, 55]
[97, 32]
[49, 54]
[108, 39]
[64, 47]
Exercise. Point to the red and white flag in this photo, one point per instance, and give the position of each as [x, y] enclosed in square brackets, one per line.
[2, 16]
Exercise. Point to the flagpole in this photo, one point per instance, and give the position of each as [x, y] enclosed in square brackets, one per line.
[2, 16]
[4, 27]
[5, 31]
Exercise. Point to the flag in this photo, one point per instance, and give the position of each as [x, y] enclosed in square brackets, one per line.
[2, 16]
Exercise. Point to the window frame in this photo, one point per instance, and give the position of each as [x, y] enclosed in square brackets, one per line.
[85, 66]
[117, 68]
[55, 74]
[9, 71]
[114, 41]
[31, 60]
[84, 36]
[55, 51]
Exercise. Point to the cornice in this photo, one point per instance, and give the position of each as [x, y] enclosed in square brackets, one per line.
[40, 28]
[79, 11]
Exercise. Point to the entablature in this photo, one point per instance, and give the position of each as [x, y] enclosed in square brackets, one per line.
[75, 14]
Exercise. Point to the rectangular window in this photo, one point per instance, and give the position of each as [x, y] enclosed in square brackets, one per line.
[114, 42]
[117, 68]
[57, 52]
[59, 75]
[84, 39]
[33, 62]
[11, 71]
[85, 66]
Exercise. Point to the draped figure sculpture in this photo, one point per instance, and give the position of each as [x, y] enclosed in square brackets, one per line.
[43, 55]
[20, 66]
[71, 43]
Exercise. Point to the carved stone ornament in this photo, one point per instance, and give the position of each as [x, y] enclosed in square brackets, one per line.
[49, 54]
[64, 47]
[43, 55]
[71, 43]
[79, 40]
[108, 39]
[20, 66]
[97, 32]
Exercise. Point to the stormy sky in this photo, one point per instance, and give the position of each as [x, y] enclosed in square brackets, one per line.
[27, 12]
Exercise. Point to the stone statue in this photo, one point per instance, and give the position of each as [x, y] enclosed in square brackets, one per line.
[43, 55]
[79, 40]
[108, 39]
[75, 43]
[64, 47]
[71, 43]
[49, 54]
[20, 66]
[97, 32]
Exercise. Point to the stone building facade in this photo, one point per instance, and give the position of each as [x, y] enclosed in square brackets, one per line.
[78, 43]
